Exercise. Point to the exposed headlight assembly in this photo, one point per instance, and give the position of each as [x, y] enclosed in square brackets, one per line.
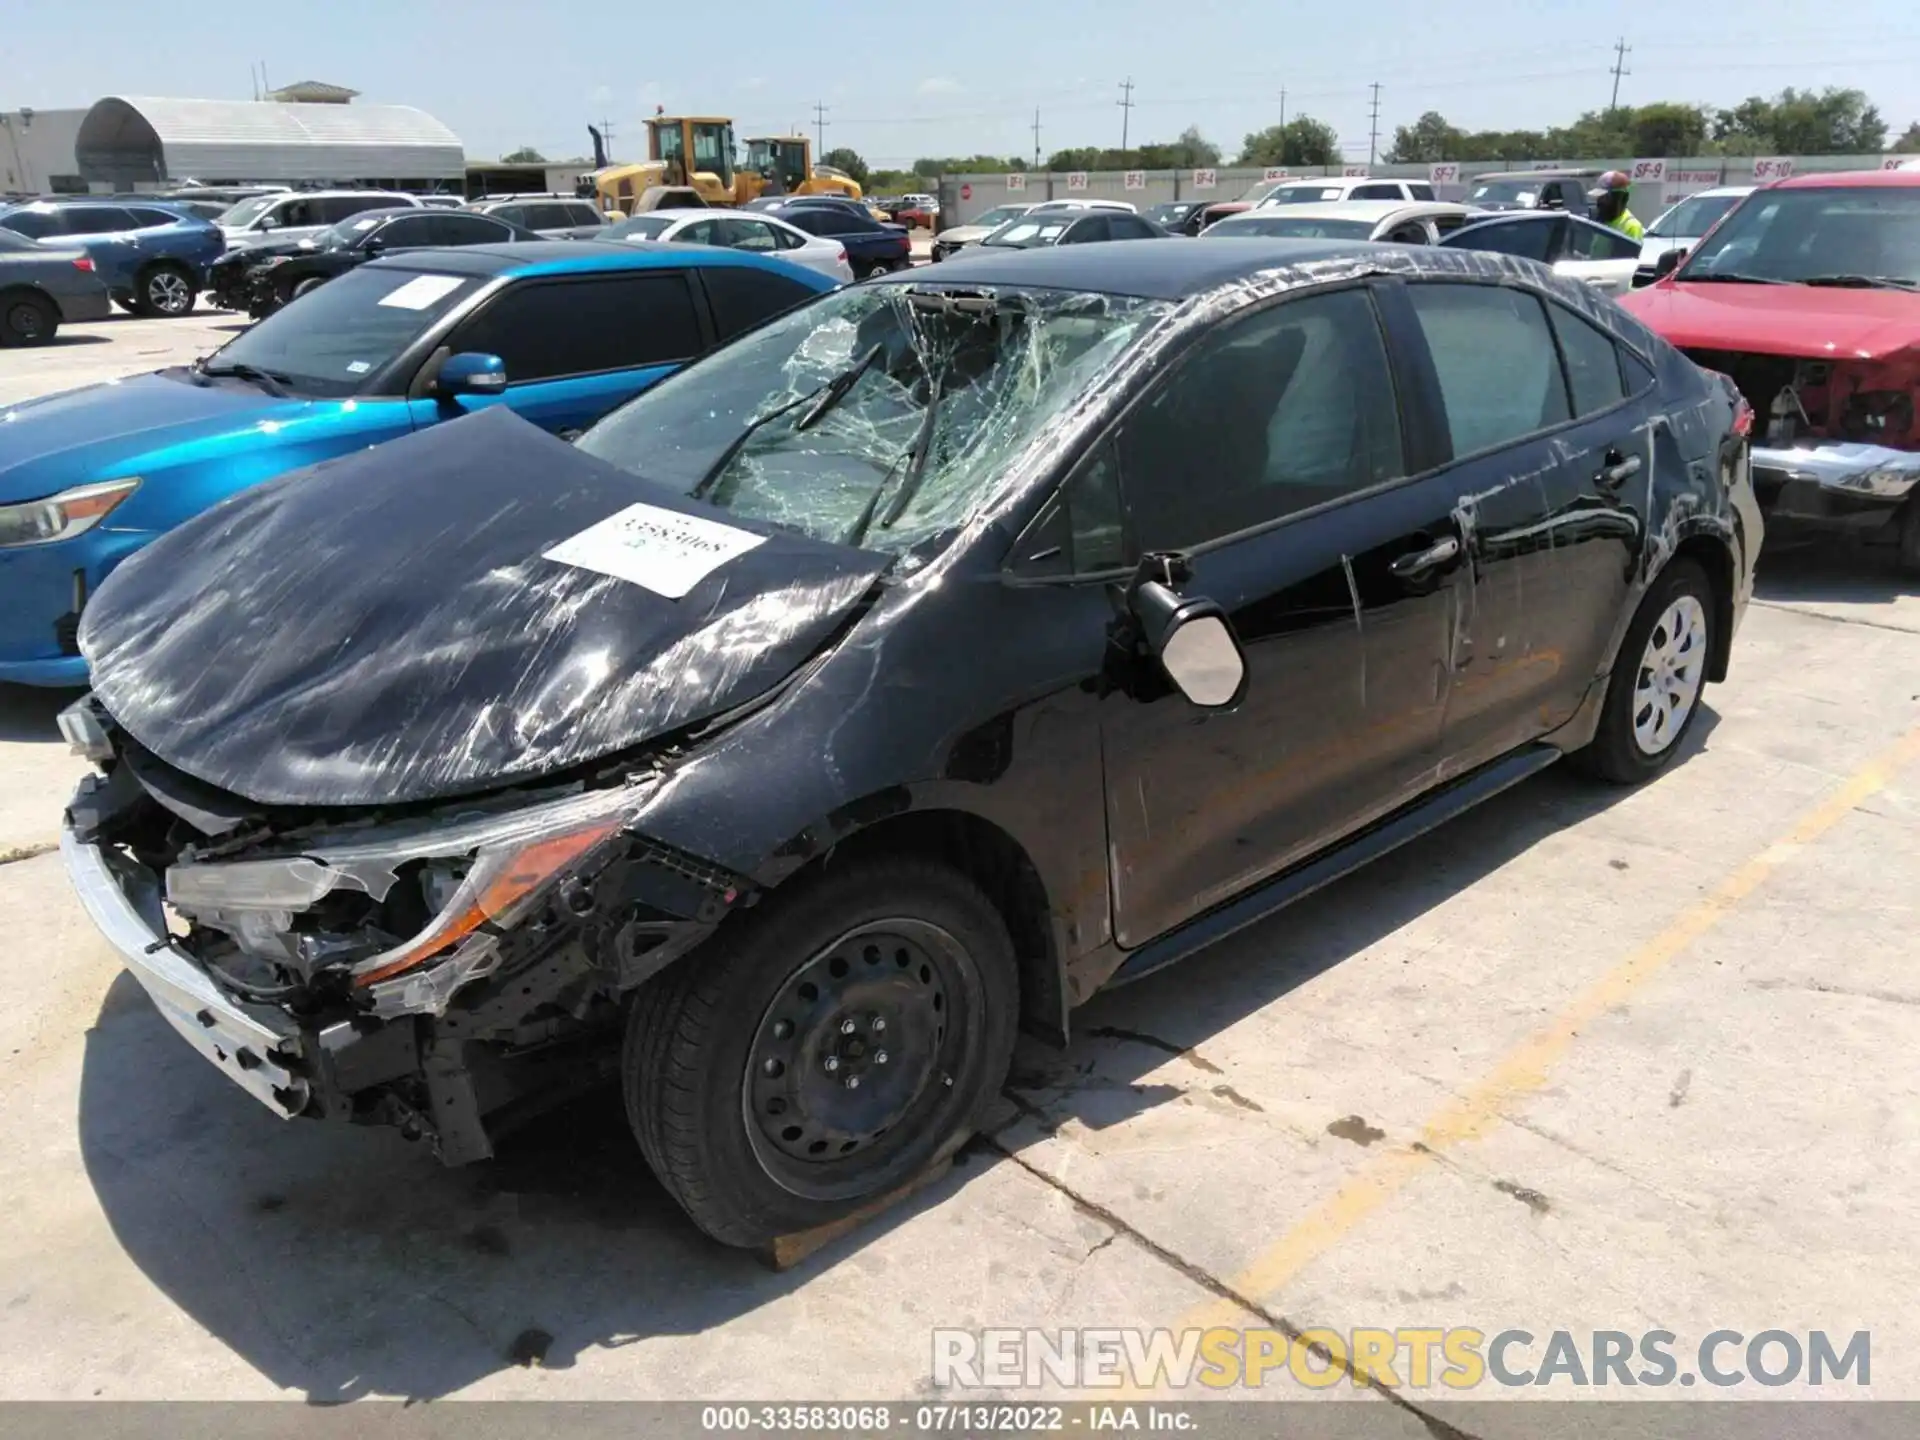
[480, 876]
[63, 516]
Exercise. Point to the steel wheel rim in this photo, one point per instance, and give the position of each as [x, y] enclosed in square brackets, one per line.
[168, 292]
[1671, 670]
[826, 1116]
[24, 321]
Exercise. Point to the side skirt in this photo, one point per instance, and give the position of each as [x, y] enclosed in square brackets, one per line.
[1370, 844]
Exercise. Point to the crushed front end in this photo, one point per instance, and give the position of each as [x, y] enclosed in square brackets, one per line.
[444, 969]
[1836, 442]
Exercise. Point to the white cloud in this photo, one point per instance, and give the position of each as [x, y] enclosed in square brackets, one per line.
[756, 82]
[940, 85]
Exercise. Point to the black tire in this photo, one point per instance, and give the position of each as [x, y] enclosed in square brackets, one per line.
[732, 1138]
[27, 318]
[1909, 552]
[308, 286]
[164, 289]
[1618, 752]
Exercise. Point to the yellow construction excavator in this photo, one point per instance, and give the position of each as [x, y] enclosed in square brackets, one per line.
[697, 153]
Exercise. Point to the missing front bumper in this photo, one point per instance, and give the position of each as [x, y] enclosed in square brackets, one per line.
[1850, 469]
[123, 900]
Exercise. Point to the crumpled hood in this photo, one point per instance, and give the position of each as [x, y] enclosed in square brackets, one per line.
[964, 234]
[57, 441]
[388, 627]
[1809, 321]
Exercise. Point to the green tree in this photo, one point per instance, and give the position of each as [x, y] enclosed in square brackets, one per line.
[1668, 129]
[928, 167]
[1428, 139]
[1909, 143]
[1303, 140]
[849, 160]
[525, 155]
[1800, 122]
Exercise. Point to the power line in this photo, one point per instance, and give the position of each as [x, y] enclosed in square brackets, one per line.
[1620, 52]
[1125, 102]
[1373, 132]
[820, 127]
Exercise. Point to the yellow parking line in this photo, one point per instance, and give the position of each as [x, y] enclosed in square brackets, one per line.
[1524, 1069]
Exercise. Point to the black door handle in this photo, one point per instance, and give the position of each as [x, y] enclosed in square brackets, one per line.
[1418, 562]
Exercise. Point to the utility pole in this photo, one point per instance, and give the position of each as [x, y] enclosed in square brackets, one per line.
[820, 128]
[1620, 52]
[1036, 139]
[1283, 112]
[1125, 102]
[1373, 134]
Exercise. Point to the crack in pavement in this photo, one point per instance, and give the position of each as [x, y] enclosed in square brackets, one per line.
[1835, 619]
[1220, 1289]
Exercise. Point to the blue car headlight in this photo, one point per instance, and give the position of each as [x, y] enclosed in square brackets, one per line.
[63, 516]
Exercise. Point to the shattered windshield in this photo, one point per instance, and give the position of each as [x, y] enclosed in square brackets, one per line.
[937, 391]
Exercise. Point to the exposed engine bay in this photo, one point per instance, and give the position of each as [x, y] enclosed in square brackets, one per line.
[1835, 441]
[426, 967]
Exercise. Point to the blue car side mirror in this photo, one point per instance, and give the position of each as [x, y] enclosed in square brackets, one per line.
[471, 373]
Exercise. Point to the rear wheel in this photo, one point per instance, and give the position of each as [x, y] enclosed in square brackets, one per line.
[823, 1048]
[27, 318]
[308, 285]
[164, 289]
[1653, 693]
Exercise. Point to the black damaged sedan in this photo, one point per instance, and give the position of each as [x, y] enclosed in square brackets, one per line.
[892, 679]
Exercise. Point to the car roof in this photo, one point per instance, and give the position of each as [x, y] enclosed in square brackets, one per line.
[1850, 179]
[569, 257]
[1172, 270]
[1534, 175]
[1374, 210]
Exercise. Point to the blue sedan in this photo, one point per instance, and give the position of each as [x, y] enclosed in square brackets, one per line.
[152, 256]
[560, 332]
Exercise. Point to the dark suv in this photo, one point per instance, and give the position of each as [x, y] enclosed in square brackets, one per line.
[552, 217]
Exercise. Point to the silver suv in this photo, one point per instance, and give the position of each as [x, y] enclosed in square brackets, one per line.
[300, 214]
[554, 216]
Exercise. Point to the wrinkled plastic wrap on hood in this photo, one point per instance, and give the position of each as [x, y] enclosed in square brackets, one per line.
[388, 627]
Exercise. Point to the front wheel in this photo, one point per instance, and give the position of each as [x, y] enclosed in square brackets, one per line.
[823, 1048]
[1653, 693]
[1910, 534]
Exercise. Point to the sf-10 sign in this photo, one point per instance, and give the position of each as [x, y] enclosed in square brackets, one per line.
[1771, 167]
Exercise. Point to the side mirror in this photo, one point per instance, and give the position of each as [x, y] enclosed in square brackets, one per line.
[265, 222]
[471, 373]
[1190, 638]
[1668, 263]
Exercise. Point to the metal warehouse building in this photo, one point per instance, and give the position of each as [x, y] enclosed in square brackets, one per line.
[127, 142]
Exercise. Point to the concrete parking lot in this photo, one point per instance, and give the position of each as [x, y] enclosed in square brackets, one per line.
[1586, 1059]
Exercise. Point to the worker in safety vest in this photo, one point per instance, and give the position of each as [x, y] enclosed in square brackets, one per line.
[1609, 197]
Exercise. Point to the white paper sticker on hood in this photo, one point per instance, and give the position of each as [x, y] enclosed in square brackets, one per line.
[660, 550]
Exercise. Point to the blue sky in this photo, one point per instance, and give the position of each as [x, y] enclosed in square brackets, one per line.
[903, 78]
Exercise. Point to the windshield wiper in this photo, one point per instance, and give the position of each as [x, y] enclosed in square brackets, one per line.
[825, 397]
[916, 457]
[1861, 282]
[1729, 277]
[270, 381]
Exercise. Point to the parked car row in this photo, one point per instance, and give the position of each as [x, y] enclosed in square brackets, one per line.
[762, 746]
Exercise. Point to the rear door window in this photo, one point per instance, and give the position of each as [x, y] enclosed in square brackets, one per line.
[742, 297]
[408, 230]
[100, 220]
[1587, 241]
[148, 219]
[550, 329]
[1593, 362]
[1420, 190]
[1377, 191]
[35, 224]
[1495, 359]
[1087, 231]
[453, 229]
